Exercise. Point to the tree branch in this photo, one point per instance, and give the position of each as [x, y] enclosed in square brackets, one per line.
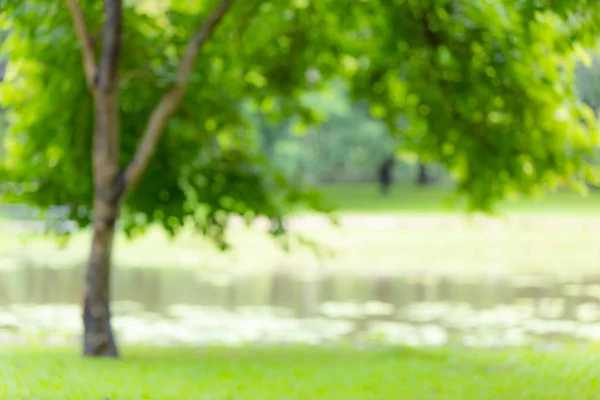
[85, 40]
[173, 97]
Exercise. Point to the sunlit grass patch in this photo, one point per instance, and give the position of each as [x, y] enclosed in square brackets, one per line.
[410, 199]
[299, 373]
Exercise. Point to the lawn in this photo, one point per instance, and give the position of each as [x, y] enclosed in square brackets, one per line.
[404, 198]
[310, 373]
[517, 246]
[300, 373]
[434, 242]
[365, 198]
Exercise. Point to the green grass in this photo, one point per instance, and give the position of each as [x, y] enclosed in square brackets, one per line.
[515, 247]
[365, 198]
[300, 373]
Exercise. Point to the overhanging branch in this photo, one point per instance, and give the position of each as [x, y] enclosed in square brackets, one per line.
[172, 98]
[85, 40]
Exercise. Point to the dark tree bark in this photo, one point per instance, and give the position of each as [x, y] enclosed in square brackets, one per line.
[424, 176]
[111, 183]
[99, 339]
[3, 66]
[384, 174]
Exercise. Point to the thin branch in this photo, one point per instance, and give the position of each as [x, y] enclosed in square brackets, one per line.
[86, 42]
[172, 98]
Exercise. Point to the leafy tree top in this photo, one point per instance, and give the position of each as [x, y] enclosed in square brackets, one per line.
[486, 87]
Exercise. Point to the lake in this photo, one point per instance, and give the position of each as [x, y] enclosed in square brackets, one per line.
[491, 306]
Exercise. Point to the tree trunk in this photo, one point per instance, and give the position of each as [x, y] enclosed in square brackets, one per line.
[99, 339]
[424, 176]
[109, 187]
[3, 66]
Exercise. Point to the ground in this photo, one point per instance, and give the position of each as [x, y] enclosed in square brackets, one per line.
[300, 373]
[409, 199]
[307, 373]
[408, 230]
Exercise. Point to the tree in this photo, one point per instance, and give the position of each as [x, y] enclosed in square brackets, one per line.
[111, 183]
[424, 175]
[221, 177]
[486, 87]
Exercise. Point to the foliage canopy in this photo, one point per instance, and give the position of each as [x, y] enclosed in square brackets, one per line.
[486, 87]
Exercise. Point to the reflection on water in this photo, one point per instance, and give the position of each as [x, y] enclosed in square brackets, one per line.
[173, 306]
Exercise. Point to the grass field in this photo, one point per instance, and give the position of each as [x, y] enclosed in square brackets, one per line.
[505, 248]
[410, 199]
[343, 373]
[443, 248]
[299, 373]
[365, 198]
